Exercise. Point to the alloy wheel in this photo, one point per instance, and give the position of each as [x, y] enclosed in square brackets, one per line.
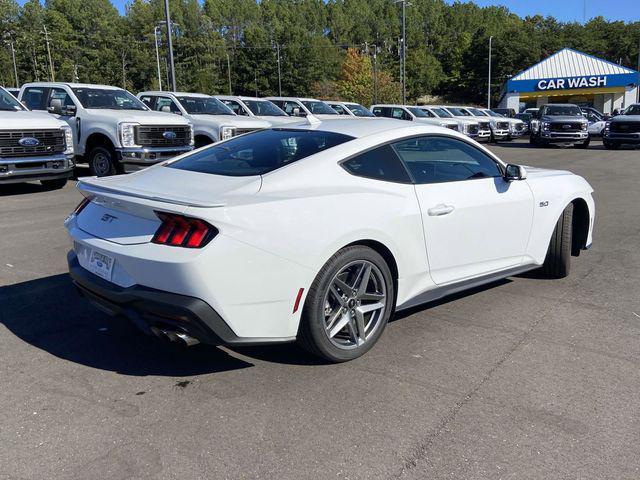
[354, 304]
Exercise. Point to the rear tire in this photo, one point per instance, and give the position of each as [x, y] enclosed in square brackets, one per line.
[558, 260]
[337, 297]
[102, 161]
[56, 184]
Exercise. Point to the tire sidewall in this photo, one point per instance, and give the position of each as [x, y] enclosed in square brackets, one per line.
[97, 169]
[313, 312]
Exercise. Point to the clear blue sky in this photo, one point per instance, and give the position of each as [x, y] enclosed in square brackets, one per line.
[571, 10]
[564, 10]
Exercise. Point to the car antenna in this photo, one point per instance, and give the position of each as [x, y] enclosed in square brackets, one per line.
[313, 120]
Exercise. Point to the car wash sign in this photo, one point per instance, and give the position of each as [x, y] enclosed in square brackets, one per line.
[598, 81]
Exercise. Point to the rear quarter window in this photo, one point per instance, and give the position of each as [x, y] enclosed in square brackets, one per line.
[259, 152]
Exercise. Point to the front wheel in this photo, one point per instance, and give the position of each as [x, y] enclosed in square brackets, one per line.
[584, 144]
[558, 260]
[611, 145]
[102, 161]
[348, 305]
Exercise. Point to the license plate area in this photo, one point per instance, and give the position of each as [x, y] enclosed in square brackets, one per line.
[101, 264]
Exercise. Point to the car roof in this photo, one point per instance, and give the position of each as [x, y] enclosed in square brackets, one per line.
[300, 99]
[359, 127]
[71, 85]
[393, 105]
[561, 105]
[177, 94]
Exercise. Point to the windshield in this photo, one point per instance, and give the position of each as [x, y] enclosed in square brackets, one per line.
[260, 152]
[458, 112]
[316, 106]
[562, 111]
[418, 112]
[108, 99]
[204, 106]
[494, 114]
[441, 112]
[264, 107]
[633, 110]
[359, 111]
[477, 113]
[8, 102]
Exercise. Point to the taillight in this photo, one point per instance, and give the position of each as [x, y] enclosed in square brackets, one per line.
[81, 206]
[181, 231]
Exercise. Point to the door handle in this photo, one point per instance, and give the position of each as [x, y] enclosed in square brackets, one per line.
[440, 210]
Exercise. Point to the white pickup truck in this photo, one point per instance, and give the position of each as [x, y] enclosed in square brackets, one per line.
[211, 119]
[33, 146]
[257, 108]
[113, 131]
[412, 114]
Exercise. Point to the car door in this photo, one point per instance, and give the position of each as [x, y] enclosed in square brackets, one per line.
[73, 121]
[474, 221]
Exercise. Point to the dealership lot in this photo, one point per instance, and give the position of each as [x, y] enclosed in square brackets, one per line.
[525, 378]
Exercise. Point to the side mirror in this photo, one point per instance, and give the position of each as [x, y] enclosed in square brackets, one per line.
[55, 106]
[514, 172]
[165, 109]
[70, 111]
[297, 112]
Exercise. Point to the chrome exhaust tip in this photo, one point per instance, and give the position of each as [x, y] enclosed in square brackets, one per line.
[175, 337]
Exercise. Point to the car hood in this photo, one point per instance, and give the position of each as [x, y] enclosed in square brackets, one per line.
[230, 120]
[25, 119]
[625, 118]
[466, 120]
[280, 120]
[535, 172]
[174, 186]
[433, 121]
[563, 118]
[144, 117]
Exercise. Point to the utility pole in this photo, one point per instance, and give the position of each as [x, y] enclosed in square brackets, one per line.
[375, 73]
[124, 72]
[229, 72]
[403, 51]
[279, 75]
[15, 67]
[170, 45]
[255, 74]
[156, 39]
[489, 82]
[46, 38]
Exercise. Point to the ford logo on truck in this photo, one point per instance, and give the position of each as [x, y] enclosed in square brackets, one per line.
[169, 135]
[29, 142]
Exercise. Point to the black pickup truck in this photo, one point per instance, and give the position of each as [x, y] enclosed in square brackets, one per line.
[560, 123]
[623, 129]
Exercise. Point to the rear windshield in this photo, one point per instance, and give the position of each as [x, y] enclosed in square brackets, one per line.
[259, 152]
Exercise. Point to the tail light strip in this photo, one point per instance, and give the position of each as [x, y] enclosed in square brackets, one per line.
[180, 231]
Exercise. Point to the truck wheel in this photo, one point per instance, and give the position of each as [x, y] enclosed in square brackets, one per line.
[584, 144]
[56, 184]
[102, 161]
[533, 140]
[201, 141]
[558, 259]
[611, 145]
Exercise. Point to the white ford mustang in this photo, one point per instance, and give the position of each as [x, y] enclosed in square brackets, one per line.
[317, 232]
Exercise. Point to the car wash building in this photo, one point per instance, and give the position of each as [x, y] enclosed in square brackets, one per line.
[569, 76]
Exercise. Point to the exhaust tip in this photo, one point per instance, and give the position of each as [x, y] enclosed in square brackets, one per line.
[175, 337]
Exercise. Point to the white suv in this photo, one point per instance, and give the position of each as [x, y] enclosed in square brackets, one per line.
[33, 146]
[212, 120]
[112, 130]
[258, 108]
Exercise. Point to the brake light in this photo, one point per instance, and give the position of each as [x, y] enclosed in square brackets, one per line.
[180, 231]
[81, 206]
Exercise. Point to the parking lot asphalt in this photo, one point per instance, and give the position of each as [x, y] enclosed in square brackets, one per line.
[523, 379]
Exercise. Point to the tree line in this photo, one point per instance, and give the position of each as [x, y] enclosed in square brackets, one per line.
[337, 48]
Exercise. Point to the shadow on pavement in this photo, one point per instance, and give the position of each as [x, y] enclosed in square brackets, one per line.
[49, 314]
[22, 189]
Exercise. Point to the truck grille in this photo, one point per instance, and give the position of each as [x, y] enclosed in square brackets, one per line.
[562, 127]
[484, 126]
[452, 126]
[473, 129]
[161, 135]
[502, 125]
[625, 127]
[519, 127]
[49, 142]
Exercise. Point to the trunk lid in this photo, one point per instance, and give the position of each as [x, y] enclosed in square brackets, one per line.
[123, 207]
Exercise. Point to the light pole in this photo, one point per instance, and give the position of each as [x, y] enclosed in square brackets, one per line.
[229, 72]
[46, 38]
[279, 75]
[156, 35]
[489, 82]
[15, 67]
[170, 45]
[403, 51]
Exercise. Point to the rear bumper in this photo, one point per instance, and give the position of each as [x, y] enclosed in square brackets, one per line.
[143, 157]
[25, 169]
[147, 307]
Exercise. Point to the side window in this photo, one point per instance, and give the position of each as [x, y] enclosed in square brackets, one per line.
[289, 108]
[235, 106]
[339, 109]
[380, 163]
[397, 113]
[380, 112]
[148, 101]
[60, 94]
[429, 114]
[164, 104]
[35, 98]
[437, 159]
